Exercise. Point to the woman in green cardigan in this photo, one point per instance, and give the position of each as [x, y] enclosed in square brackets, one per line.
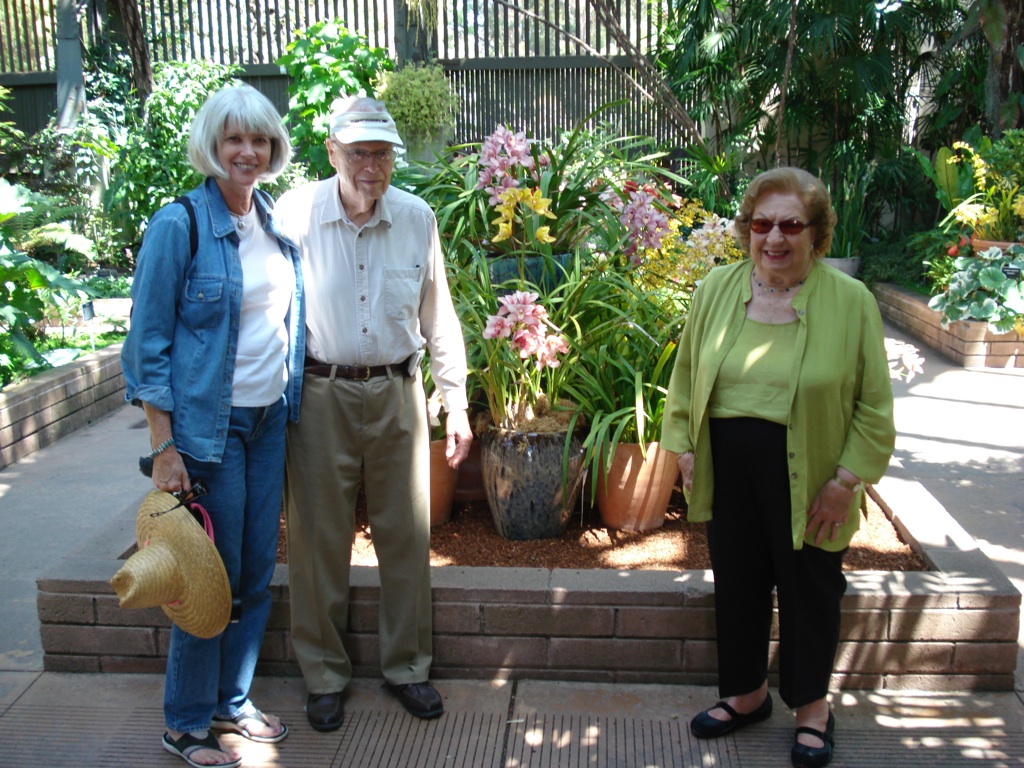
[780, 408]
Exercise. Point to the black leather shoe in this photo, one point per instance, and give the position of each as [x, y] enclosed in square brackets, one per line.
[704, 726]
[814, 757]
[419, 699]
[325, 711]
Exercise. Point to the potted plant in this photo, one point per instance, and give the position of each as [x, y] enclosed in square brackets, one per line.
[421, 101]
[520, 201]
[621, 383]
[994, 214]
[531, 457]
[986, 287]
[853, 207]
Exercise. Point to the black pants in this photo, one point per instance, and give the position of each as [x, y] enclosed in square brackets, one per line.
[751, 543]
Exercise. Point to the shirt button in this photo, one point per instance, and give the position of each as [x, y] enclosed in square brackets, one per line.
[362, 298]
[362, 267]
[366, 330]
[200, 295]
[792, 455]
[794, 476]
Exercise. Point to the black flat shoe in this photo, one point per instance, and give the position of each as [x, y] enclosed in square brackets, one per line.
[325, 711]
[704, 726]
[814, 757]
[419, 699]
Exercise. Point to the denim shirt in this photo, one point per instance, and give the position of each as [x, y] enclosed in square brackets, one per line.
[179, 355]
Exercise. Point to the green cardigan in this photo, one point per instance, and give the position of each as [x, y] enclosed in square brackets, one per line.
[840, 394]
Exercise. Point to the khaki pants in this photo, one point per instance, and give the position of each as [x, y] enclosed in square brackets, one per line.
[377, 431]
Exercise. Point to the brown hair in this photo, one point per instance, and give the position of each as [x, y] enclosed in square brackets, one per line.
[809, 188]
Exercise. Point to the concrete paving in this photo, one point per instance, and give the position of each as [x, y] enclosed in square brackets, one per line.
[961, 434]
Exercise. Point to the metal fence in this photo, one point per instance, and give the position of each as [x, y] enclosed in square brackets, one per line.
[533, 64]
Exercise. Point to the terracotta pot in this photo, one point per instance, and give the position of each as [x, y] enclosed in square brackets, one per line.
[470, 483]
[442, 484]
[524, 482]
[638, 489]
[978, 245]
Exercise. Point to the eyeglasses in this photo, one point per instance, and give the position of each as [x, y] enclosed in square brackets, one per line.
[362, 156]
[787, 227]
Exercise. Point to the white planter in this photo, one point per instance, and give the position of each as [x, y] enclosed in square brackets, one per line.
[849, 266]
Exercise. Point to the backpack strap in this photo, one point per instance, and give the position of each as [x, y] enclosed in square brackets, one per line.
[193, 229]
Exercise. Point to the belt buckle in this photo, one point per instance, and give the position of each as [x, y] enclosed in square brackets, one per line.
[366, 373]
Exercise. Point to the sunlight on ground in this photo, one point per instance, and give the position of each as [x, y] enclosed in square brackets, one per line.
[908, 710]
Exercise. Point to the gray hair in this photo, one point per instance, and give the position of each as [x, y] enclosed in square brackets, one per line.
[249, 110]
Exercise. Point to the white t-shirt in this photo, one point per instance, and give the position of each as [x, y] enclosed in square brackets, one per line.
[268, 284]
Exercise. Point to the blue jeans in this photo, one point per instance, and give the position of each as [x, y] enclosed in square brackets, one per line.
[208, 677]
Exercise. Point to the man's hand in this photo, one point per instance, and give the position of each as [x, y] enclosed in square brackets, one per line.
[459, 437]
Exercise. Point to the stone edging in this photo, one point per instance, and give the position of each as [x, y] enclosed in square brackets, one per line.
[953, 628]
[48, 406]
[967, 342]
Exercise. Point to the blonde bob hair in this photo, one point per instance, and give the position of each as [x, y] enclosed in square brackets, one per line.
[809, 188]
[244, 108]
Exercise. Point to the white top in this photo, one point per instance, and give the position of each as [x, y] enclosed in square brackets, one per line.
[376, 293]
[268, 283]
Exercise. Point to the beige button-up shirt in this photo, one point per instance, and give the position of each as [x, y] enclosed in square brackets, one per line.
[376, 293]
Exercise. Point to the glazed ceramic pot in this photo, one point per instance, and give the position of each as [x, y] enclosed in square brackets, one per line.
[535, 269]
[523, 480]
[634, 493]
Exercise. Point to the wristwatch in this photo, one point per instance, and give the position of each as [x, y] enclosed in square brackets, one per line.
[852, 487]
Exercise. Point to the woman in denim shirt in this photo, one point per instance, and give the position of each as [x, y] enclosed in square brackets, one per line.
[215, 355]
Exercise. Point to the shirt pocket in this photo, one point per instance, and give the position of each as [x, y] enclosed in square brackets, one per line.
[202, 301]
[401, 293]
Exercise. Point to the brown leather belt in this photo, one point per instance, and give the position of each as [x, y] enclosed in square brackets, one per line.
[355, 372]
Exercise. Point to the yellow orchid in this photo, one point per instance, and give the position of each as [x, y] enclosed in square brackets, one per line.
[538, 204]
[544, 234]
[504, 231]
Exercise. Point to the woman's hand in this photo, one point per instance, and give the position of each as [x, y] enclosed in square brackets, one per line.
[686, 470]
[169, 473]
[829, 512]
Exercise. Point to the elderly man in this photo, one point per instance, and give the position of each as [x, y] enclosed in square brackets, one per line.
[376, 295]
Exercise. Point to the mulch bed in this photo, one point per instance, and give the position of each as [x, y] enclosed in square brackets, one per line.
[470, 539]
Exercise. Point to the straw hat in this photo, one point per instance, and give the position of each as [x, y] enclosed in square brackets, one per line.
[176, 567]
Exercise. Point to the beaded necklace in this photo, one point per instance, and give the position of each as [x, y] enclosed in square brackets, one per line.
[769, 289]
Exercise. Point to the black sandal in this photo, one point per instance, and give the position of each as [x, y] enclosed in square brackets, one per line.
[188, 743]
[804, 756]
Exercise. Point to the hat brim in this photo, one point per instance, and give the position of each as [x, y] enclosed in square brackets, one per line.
[203, 601]
[353, 133]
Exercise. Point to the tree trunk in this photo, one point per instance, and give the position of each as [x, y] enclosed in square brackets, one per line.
[142, 68]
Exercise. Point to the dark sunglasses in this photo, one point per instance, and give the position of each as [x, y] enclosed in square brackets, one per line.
[185, 499]
[787, 227]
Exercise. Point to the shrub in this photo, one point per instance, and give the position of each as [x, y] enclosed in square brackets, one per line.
[421, 100]
[152, 167]
[325, 61]
[29, 288]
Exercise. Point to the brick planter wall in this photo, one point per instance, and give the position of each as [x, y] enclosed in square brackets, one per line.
[951, 628]
[46, 407]
[967, 342]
